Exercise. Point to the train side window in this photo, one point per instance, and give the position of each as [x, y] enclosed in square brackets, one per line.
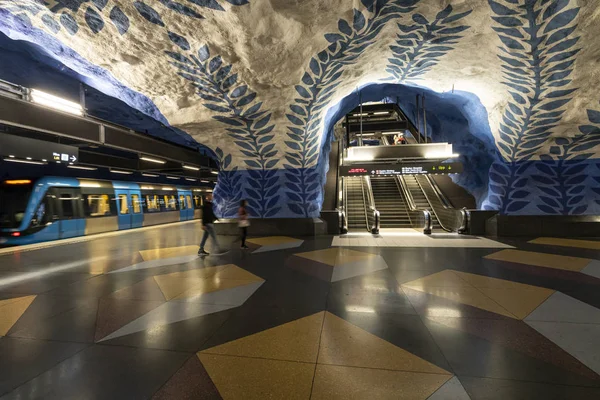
[66, 201]
[97, 205]
[170, 203]
[135, 202]
[123, 206]
[151, 204]
[189, 201]
[197, 201]
[182, 202]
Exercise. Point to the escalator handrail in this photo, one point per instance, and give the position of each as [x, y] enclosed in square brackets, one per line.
[372, 208]
[342, 207]
[410, 203]
[444, 202]
[431, 205]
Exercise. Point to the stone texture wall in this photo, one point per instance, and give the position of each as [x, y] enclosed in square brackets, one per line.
[256, 80]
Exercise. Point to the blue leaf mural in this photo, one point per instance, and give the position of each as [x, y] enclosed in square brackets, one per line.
[420, 46]
[66, 11]
[315, 91]
[228, 192]
[247, 123]
[537, 56]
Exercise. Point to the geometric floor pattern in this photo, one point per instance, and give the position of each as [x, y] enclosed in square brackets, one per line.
[510, 299]
[343, 360]
[189, 294]
[141, 316]
[335, 264]
[272, 243]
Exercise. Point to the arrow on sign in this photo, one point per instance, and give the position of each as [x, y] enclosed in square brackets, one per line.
[73, 158]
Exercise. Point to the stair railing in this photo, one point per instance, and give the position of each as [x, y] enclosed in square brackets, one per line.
[370, 207]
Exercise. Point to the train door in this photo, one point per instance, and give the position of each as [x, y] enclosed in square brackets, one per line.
[183, 207]
[123, 208]
[189, 206]
[137, 216]
[70, 207]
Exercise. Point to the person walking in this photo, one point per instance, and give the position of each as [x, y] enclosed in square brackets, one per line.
[208, 219]
[243, 222]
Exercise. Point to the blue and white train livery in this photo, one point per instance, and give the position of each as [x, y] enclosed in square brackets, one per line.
[54, 208]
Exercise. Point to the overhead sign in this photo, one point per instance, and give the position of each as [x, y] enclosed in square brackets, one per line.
[401, 169]
[38, 150]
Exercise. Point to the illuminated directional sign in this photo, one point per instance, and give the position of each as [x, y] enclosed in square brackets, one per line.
[401, 169]
[26, 148]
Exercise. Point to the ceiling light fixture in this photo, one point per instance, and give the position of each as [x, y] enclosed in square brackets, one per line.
[173, 177]
[153, 160]
[55, 102]
[24, 161]
[150, 175]
[82, 167]
[191, 168]
[190, 179]
[381, 113]
[214, 172]
[116, 171]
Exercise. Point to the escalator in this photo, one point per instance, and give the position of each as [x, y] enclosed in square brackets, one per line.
[355, 204]
[414, 186]
[390, 202]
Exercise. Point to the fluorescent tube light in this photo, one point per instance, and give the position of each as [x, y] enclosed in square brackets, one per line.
[214, 172]
[441, 155]
[150, 175]
[24, 161]
[190, 179]
[114, 171]
[152, 160]
[381, 113]
[173, 177]
[81, 167]
[191, 168]
[55, 102]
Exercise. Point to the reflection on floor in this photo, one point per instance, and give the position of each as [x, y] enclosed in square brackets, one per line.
[141, 316]
[413, 238]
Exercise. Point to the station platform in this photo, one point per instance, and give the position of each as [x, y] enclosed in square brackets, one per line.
[138, 315]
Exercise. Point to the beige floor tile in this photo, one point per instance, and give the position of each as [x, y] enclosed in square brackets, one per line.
[466, 295]
[581, 244]
[345, 344]
[480, 281]
[235, 272]
[349, 383]
[294, 341]
[520, 302]
[11, 310]
[270, 240]
[540, 259]
[442, 279]
[155, 254]
[176, 283]
[240, 378]
[326, 256]
[209, 285]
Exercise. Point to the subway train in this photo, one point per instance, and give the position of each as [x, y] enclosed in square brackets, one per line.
[53, 208]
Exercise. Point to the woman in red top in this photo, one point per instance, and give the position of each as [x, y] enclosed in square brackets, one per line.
[243, 222]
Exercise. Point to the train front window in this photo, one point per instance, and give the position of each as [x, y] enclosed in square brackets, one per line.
[13, 202]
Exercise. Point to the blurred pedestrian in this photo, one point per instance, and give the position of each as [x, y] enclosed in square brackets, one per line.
[243, 222]
[208, 220]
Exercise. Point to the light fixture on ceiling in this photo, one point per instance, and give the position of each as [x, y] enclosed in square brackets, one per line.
[190, 179]
[191, 168]
[381, 113]
[150, 175]
[441, 155]
[214, 172]
[55, 102]
[205, 181]
[24, 161]
[116, 171]
[360, 115]
[152, 160]
[82, 167]
[173, 177]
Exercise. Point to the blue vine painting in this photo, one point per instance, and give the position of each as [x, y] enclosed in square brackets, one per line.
[248, 124]
[421, 45]
[323, 76]
[61, 14]
[538, 53]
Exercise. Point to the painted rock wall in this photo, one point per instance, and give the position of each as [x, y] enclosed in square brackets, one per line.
[261, 82]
